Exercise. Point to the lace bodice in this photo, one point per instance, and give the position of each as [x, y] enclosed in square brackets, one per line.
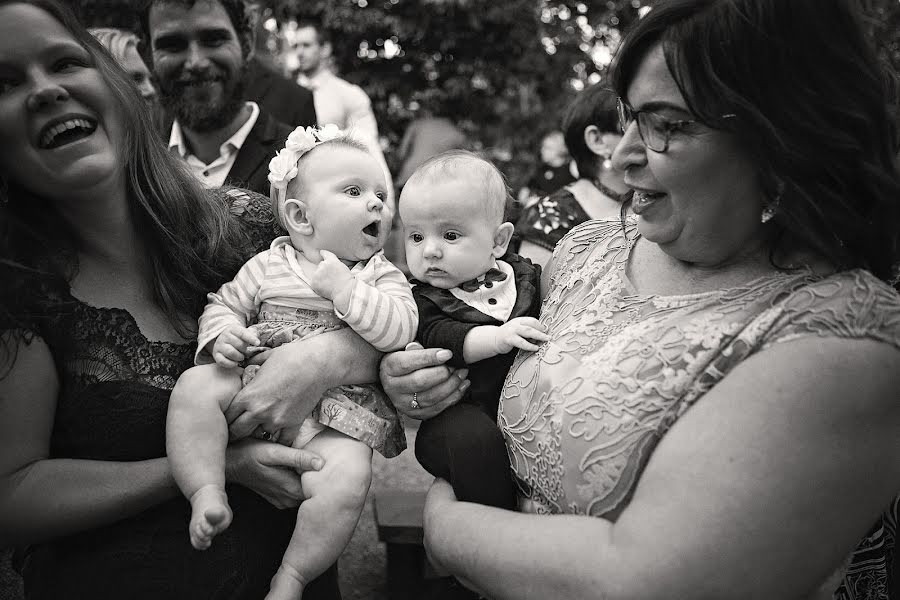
[582, 416]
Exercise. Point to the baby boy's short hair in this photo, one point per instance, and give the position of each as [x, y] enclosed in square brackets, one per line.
[465, 165]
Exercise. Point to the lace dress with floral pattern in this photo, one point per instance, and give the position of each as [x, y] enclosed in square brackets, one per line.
[582, 416]
[114, 394]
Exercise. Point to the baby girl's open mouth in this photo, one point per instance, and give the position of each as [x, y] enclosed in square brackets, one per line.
[372, 229]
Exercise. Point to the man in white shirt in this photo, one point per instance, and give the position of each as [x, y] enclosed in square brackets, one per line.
[336, 100]
[200, 51]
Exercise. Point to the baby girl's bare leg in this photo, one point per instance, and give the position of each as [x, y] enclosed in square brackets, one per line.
[336, 496]
[196, 437]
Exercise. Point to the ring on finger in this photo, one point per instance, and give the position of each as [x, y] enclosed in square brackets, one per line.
[414, 403]
[267, 436]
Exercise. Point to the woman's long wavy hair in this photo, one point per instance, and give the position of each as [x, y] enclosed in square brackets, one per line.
[813, 109]
[191, 241]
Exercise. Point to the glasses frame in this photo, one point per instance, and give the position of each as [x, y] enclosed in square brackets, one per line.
[624, 111]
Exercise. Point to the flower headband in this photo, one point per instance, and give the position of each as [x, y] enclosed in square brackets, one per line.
[283, 166]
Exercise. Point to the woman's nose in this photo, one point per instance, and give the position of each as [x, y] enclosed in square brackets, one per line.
[630, 151]
[45, 93]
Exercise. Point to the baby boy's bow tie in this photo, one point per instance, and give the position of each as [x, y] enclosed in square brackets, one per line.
[493, 275]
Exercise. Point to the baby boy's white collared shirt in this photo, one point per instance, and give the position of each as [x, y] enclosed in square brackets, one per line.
[495, 298]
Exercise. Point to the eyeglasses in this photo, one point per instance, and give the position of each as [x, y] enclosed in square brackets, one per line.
[655, 130]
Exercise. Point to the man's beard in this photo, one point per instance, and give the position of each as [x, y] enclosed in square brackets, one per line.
[204, 115]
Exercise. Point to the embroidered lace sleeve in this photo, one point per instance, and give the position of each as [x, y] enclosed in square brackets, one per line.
[853, 304]
[603, 242]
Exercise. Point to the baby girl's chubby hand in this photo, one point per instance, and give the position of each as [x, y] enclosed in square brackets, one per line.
[330, 276]
[230, 348]
[520, 332]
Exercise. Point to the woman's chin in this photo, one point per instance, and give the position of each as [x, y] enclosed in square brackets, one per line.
[660, 232]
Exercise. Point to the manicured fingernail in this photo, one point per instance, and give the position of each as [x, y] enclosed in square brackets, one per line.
[464, 385]
[462, 373]
[443, 355]
[318, 463]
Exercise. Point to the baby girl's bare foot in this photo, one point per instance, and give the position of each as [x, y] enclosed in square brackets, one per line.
[210, 515]
[287, 584]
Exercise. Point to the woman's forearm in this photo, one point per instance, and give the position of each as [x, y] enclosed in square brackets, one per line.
[523, 556]
[294, 377]
[50, 498]
[343, 357]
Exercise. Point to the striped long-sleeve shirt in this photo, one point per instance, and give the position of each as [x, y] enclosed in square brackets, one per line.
[381, 308]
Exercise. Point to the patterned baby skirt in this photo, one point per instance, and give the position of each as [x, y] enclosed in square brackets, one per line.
[363, 412]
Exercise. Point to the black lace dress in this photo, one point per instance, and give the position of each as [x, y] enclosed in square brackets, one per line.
[115, 387]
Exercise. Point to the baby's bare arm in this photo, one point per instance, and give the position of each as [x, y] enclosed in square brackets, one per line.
[490, 340]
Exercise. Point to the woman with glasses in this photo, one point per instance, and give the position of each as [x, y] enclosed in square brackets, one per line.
[715, 415]
[591, 132]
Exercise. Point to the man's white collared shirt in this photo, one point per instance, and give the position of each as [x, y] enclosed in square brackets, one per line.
[346, 105]
[214, 174]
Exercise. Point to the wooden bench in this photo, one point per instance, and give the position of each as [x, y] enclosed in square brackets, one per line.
[398, 515]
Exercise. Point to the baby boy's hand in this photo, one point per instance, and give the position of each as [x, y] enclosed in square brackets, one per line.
[230, 347]
[520, 332]
[330, 277]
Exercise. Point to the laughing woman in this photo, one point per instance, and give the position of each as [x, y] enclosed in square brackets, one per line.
[715, 414]
[107, 248]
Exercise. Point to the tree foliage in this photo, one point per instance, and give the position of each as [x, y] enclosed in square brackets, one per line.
[504, 70]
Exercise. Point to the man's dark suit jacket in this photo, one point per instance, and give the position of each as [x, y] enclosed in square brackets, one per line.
[285, 100]
[251, 167]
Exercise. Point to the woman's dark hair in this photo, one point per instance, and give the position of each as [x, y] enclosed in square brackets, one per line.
[812, 108]
[192, 242]
[595, 105]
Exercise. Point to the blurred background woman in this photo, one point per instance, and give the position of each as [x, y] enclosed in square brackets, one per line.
[123, 45]
[591, 132]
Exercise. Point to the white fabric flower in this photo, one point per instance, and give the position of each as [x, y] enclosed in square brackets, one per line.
[301, 140]
[283, 168]
[329, 132]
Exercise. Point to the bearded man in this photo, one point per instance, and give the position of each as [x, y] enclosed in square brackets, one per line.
[201, 50]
